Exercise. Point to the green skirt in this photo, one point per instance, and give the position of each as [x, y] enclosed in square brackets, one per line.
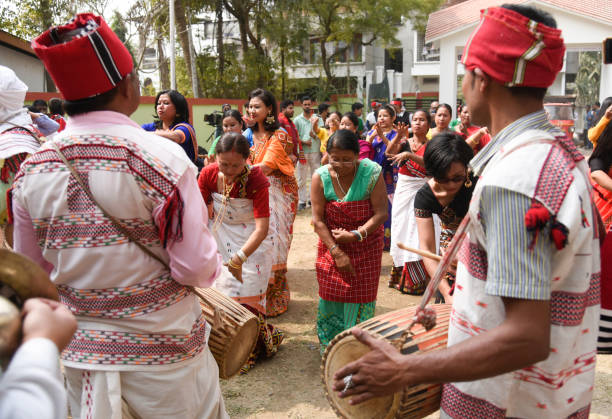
[334, 318]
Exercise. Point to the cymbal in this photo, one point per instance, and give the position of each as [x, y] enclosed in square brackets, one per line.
[22, 278]
[10, 330]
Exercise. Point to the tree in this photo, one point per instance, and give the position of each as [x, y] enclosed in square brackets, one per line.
[588, 77]
[119, 27]
[334, 21]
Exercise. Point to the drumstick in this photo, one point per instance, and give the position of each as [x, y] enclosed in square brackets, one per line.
[420, 252]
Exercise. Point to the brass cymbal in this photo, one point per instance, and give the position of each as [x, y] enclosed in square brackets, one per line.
[22, 278]
[10, 330]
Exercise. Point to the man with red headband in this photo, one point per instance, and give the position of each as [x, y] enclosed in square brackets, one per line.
[80, 205]
[523, 330]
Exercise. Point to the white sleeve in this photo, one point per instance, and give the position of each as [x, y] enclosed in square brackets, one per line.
[32, 386]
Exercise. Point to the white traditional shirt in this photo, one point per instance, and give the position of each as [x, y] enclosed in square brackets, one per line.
[529, 161]
[133, 314]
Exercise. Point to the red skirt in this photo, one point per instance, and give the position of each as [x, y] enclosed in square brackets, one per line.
[365, 256]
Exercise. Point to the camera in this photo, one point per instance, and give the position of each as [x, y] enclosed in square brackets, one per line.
[214, 119]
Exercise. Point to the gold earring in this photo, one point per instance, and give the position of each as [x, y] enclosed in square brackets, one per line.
[468, 180]
[269, 119]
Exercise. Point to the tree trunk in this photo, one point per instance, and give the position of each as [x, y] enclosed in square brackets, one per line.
[164, 71]
[283, 72]
[183, 34]
[46, 23]
[220, 48]
[326, 62]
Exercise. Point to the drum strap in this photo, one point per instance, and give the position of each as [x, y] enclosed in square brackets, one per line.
[217, 320]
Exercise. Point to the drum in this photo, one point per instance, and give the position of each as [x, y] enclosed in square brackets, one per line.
[234, 330]
[412, 402]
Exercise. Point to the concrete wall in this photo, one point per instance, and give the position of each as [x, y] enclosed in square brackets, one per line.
[29, 69]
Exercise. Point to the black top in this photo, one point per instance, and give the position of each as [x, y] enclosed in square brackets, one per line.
[601, 163]
[426, 204]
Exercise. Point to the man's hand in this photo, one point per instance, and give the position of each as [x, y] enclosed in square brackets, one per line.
[377, 373]
[49, 319]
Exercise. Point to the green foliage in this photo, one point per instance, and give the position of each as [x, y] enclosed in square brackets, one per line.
[29, 18]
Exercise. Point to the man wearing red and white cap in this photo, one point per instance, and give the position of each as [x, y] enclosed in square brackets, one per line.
[523, 329]
[141, 337]
[372, 117]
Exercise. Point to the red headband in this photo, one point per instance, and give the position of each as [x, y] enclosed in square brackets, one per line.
[84, 57]
[397, 102]
[514, 50]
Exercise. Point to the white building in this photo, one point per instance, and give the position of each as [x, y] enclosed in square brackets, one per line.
[584, 25]
[18, 55]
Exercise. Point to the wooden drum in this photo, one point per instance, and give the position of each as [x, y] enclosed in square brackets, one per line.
[234, 330]
[412, 402]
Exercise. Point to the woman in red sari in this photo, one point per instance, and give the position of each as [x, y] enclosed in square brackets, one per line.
[600, 164]
[349, 207]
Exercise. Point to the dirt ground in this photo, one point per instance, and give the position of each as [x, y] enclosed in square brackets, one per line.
[289, 385]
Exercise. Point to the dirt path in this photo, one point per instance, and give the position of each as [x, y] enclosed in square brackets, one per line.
[289, 385]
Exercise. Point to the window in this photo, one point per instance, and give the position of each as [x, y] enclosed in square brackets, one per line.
[394, 59]
[311, 51]
[425, 51]
[149, 60]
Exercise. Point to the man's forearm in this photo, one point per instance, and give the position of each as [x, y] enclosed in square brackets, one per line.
[508, 347]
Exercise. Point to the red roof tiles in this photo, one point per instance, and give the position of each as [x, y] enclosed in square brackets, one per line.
[457, 17]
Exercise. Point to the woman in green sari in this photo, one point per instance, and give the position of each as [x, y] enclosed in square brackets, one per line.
[349, 207]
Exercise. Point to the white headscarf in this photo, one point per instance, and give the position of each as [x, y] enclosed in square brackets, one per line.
[12, 96]
[12, 112]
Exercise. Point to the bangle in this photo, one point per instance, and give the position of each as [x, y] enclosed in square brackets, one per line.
[333, 247]
[365, 232]
[231, 264]
[358, 235]
[243, 257]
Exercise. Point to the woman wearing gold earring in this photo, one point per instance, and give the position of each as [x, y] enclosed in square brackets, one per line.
[447, 194]
[270, 151]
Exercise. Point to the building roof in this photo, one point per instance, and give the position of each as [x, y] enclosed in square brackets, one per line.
[455, 18]
[16, 43]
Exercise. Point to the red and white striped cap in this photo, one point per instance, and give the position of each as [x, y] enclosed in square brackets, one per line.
[84, 57]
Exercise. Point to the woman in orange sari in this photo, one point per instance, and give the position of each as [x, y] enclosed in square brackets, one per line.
[270, 151]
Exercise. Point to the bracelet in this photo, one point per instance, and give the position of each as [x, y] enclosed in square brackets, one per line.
[358, 235]
[333, 247]
[365, 232]
[232, 264]
[243, 257]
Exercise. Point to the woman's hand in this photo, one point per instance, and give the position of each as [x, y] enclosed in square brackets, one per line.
[379, 131]
[402, 130]
[236, 272]
[342, 236]
[399, 158]
[342, 261]
[609, 112]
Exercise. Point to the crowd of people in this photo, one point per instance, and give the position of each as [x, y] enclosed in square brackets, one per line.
[125, 224]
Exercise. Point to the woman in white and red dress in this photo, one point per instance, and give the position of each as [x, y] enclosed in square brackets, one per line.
[412, 175]
[476, 137]
[238, 200]
[600, 164]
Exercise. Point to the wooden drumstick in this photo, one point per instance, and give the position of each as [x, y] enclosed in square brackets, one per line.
[420, 252]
